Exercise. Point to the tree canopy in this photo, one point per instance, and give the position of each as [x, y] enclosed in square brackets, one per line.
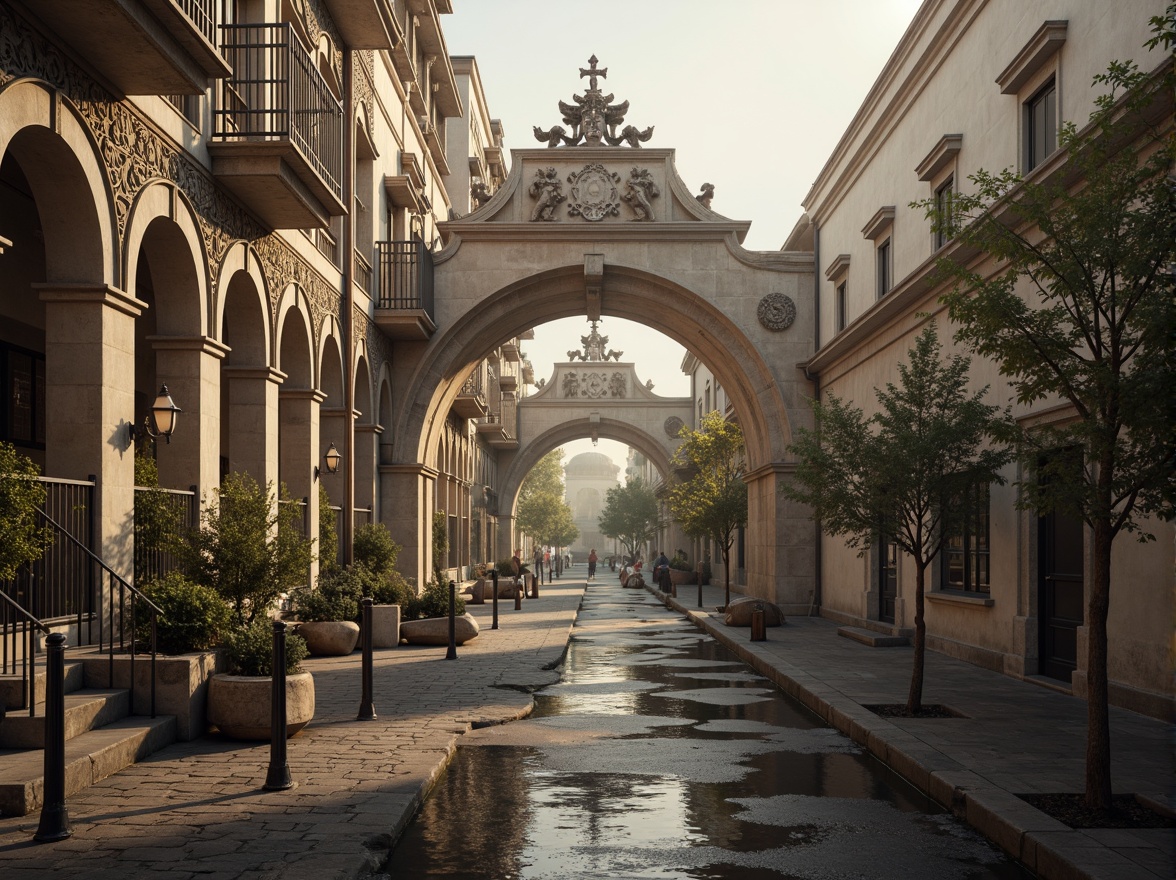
[711, 502]
[905, 473]
[542, 512]
[1083, 310]
[630, 515]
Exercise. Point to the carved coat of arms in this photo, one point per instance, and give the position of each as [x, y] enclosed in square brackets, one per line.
[594, 193]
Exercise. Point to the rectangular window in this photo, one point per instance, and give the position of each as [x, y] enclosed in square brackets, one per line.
[884, 268]
[23, 416]
[1041, 136]
[964, 560]
[839, 309]
[708, 397]
[943, 200]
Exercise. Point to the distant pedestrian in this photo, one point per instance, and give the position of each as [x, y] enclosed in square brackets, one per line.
[592, 565]
[538, 564]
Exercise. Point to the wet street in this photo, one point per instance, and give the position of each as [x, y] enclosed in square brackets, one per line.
[659, 755]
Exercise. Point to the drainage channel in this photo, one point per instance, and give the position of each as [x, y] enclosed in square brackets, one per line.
[660, 755]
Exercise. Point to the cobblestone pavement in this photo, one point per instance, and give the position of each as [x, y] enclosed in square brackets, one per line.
[196, 810]
[1017, 738]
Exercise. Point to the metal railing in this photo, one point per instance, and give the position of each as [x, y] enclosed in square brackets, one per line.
[363, 273]
[153, 557]
[405, 275]
[202, 13]
[20, 632]
[476, 383]
[277, 93]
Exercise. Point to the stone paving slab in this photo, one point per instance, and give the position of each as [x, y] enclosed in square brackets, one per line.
[1016, 738]
[196, 809]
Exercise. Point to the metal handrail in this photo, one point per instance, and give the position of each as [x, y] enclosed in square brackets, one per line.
[27, 662]
[136, 595]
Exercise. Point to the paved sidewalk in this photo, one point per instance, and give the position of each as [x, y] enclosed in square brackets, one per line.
[1018, 738]
[196, 809]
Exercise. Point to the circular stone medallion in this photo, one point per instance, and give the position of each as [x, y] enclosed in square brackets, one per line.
[594, 193]
[672, 426]
[776, 311]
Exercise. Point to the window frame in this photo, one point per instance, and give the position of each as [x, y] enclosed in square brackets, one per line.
[972, 549]
[884, 266]
[1046, 93]
[944, 198]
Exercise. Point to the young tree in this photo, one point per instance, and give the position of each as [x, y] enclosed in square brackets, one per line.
[542, 512]
[1083, 310]
[20, 495]
[630, 515]
[905, 472]
[712, 502]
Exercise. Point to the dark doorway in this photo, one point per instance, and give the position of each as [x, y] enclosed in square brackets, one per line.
[887, 578]
[1059, 593]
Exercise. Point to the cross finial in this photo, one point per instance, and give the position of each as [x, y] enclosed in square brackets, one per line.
[591, 72]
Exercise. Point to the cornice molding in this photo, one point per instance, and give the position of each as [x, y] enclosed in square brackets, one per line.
[941, 155]
[1042, 46]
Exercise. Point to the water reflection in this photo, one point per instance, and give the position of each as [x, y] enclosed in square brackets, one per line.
[660, 756]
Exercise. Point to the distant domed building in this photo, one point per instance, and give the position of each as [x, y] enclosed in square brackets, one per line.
[587, 479]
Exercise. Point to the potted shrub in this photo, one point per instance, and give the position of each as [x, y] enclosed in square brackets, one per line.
[375, 555]
[240, 702]
[427, 618]
[680, 571]
[327, 614]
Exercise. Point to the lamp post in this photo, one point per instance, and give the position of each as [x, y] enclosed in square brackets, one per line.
[332, 458]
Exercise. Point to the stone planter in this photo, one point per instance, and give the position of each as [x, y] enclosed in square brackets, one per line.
[678, 578]
[435, 630]
[385, 626]
[739, 612]
[181, 686]
[329, 638]
[241, 705]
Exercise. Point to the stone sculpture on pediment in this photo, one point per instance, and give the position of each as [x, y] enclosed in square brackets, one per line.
[480, 193]
[547, 190]
[593, 118]
[616, 385]
[571, 384]
[594, 193]
[640, 189]
[707, 194]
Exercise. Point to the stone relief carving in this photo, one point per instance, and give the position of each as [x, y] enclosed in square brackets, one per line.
[708, 193]
[672, 426]
[776, 311]
[640, 188]
[547, 189]
[594, 193]
[594, 385]
[134, 155]
[571, 385]
[593, 118]
[617, 386]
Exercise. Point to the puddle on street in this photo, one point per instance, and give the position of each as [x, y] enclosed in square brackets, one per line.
[659, 755]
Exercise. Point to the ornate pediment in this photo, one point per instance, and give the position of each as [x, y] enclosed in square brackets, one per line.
[593, 118]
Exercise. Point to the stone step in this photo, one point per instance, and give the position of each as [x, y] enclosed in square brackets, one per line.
[89, 758]
[12, 687]
[873, 639]
[85, 710]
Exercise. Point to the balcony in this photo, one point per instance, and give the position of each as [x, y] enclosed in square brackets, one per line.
[510, 351]
[364, 24]
[508, 381]
[404, 289]
[278, 138]
[495, 431]
[471, 400]
[143, 47]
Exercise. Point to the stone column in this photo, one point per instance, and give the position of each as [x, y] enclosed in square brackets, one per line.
[367, 450]
[781, 542]
[190, 367]
[298, 453]
[90, 404]
[253, 421]
[407, 499]
[506, 528]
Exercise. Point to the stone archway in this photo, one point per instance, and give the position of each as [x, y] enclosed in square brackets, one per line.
[680, 270]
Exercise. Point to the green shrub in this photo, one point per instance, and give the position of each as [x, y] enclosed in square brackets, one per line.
[432, 602]
[374, 548]
[505, 569]
[24, 539]
[679, 563]
[337, 596]
[393, 590]
[328, 537]
[192, 617]
[250, 650]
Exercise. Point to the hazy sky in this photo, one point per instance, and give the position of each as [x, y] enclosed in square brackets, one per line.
[753, 95]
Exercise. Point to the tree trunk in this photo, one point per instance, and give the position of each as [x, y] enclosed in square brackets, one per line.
[1098, 727]
[915, 698]
[727, 574]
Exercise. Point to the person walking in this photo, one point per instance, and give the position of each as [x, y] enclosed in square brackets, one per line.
[538, 564]
[592, 565]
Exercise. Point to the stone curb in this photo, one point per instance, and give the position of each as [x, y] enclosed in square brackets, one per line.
[1042, 844]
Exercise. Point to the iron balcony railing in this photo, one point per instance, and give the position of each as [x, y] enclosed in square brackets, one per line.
[405, 270]
[363, 273]
[202, 13]
[476, 383]
[276, 93]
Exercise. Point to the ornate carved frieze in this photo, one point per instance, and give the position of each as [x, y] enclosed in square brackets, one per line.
[594, 384]
[776, 311]
[134, 155]
[379, 347]
[593, 118]
[594, 193]
[547, 190]
[640, 190]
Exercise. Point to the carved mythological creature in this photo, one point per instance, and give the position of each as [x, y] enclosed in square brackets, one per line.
[548, 190]
[616, 385]
[613, 354]
[571, 385]
[649, 384]
[640, 188]
[480, 193]
[708, 193]
[553, 137]
[573, 355]
[632, 136]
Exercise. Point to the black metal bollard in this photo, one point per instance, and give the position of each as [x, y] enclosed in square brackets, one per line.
[494, 589]
[700, 585]
[451, 654]
[759, 629]
[54, 823]
[518, 591]
[278, 777]
[367, 712]
[535, 586]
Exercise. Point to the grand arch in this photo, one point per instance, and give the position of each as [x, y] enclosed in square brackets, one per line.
[563, 237]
